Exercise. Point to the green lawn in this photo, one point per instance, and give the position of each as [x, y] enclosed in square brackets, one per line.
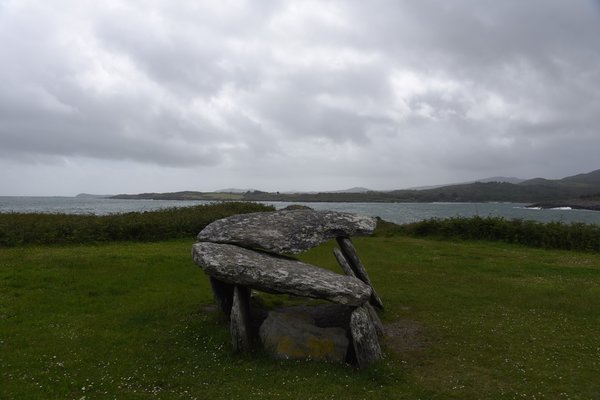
[129, 320]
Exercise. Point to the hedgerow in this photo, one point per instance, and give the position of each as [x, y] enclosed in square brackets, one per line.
[552, 235]
[33, 228]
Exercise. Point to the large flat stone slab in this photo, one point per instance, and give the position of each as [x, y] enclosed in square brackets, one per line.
[286, 231]
[270, 273]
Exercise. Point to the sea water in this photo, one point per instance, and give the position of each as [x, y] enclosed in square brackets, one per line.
[402, 213]
[86, 205]
[394, 212]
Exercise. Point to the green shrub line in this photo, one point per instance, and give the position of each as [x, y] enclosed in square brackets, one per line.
[18, 229]
[551, 235]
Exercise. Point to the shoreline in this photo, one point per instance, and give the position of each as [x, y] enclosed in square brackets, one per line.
[589, 205]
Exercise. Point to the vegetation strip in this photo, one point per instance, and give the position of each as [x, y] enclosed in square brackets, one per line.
[551, 235]
[27, 229]
[31, 229]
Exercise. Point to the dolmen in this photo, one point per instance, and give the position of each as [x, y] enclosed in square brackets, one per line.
[253, 252]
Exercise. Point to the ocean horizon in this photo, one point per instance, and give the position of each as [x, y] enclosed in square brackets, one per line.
[394, 212]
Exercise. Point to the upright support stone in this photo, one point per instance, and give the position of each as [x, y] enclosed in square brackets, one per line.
[339, 256]
[239, 324]
[375, 320]
[364, 338]
[223, 294]
[357, 266]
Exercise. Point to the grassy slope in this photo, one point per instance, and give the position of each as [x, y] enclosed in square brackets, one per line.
[125, 320]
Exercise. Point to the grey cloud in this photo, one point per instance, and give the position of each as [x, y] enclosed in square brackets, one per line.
[187, 49]
[387, 91]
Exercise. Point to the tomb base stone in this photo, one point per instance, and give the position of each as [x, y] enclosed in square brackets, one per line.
[293, 335]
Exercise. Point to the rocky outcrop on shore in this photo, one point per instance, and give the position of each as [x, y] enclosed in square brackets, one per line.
[577, 204]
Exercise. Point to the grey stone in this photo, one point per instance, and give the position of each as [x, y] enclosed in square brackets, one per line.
[364, 338]
[270, 273]
[339, 256]
[291, 334]
[358, 268]
[375, 320]
[240, 324]
[348, 270]
[286, 231]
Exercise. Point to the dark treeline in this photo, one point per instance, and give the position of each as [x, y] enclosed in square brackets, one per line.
[26, 229]
[552, 235]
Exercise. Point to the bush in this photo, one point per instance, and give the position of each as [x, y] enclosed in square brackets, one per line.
[553, 235]
[24, 229]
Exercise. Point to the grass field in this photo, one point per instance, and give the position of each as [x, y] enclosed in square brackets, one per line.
[130, 321]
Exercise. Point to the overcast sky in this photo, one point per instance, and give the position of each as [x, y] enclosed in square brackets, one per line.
[131, 96]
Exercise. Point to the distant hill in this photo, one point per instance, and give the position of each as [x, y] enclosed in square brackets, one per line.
[481, 192]
[93, 196]
[591, 178]
[351, 190]
[485, 180]
[576, 185]
[506, 179]
[234, 190]
[568, 190]
[185, 195]
[532, 190]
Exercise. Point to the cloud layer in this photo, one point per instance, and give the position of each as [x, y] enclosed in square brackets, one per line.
[294, 95]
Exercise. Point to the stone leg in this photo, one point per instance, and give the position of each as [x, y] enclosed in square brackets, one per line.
[223, 294]
[364, 338]
[357, 266]
[341, 259]
[239, 324]
[377, 324]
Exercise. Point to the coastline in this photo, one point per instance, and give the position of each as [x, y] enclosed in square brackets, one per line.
[591, 205]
